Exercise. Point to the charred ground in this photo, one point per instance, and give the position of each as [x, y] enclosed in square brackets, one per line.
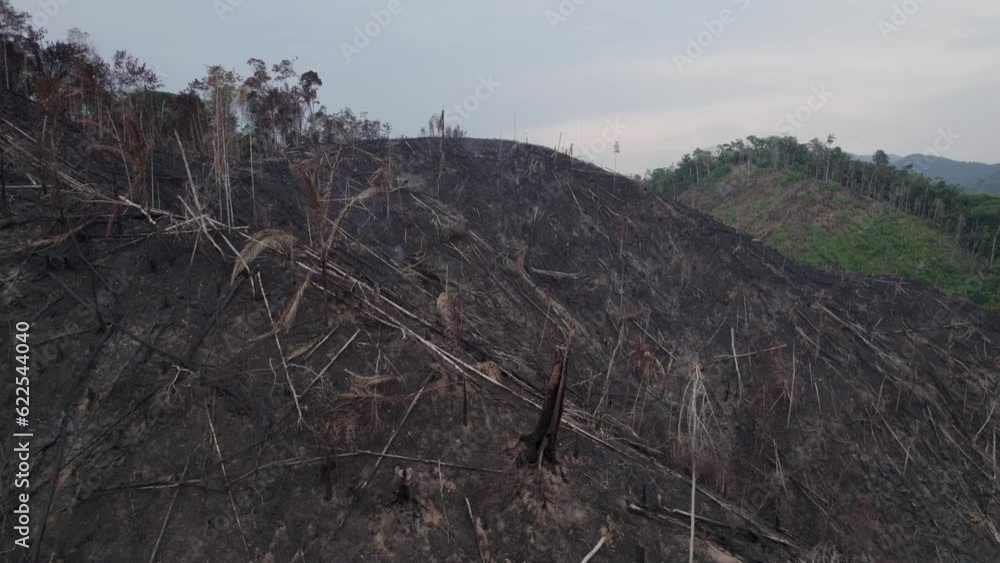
[422, 291]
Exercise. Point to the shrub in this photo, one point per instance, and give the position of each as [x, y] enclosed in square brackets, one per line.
[791, 175]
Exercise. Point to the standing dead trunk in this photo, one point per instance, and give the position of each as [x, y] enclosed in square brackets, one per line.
[3, 178]
[542, 441]
[6, 71]
[993, 252]
[253, 197]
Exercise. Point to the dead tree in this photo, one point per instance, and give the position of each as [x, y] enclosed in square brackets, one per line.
[542, 441]
[3, 178]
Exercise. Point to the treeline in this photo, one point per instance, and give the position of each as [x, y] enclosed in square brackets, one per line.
[269, 106]
[972, 219]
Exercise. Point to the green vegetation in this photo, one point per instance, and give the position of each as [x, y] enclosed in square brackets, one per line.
[821, 207]
[824, 225]
[888, 241]
[791, 176]
[972, 219]
[829, 186]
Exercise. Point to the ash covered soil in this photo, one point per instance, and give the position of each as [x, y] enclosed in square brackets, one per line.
[355, 385]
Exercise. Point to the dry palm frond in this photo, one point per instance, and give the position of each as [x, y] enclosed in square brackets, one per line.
[368, 384]
[137, 148]
[824, 554]
[491, 370]
[304, 166]
[306, 169]
[316, 205]
[649, 367]
[288, 315]
[367, 193]
[312, 194]
[274, 239]
[451, 315]
[383, 176]
[366, 390]
[197, 212]
[54, 241]
[694, 407]
[306, 347]
[334, 167]
[317, 193]
[450, 222]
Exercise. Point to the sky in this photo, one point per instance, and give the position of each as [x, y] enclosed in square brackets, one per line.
[658, 77]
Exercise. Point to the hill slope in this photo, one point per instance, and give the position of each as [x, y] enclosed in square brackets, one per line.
[385, 421]
[976, 177]
[973, 176]
[823, 224]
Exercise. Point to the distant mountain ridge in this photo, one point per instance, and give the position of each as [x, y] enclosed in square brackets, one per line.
[976, 177]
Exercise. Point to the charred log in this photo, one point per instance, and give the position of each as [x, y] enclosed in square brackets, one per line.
[541, 443]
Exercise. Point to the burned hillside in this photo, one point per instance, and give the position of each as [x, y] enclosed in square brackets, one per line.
[468, 350]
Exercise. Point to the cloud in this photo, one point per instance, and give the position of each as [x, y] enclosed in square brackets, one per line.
[608, 60]
[734, 93]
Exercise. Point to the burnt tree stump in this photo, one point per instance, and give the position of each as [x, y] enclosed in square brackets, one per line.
[541, 443]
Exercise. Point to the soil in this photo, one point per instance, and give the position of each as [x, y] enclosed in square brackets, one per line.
[384, 423]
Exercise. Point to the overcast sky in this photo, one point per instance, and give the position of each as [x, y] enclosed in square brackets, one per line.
[660, 77]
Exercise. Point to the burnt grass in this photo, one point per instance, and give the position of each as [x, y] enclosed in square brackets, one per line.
[860, 421]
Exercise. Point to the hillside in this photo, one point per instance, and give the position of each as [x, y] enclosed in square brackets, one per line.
[823, 224]
[976, 177]
[470, 350]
